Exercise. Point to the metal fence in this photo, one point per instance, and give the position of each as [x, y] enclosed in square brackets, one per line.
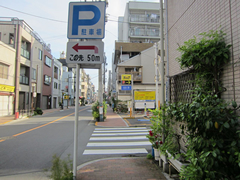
[180, 87]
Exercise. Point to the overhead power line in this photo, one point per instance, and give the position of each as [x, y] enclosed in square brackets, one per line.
[33, 15]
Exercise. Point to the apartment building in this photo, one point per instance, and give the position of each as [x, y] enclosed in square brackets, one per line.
[47, 80]
[140, 22]
[29, 51]
[7, 78]
[57, 84]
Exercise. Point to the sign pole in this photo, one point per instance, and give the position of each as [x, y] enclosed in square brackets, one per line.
[76, 124]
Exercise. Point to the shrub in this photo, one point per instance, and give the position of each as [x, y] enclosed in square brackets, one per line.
[38, 111]
[61, 169]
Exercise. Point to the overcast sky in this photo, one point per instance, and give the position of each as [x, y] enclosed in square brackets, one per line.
[55, 32]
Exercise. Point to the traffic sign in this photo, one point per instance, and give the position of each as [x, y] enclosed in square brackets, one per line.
[126, 88]
[86, 20]
[126, 82]
[85, 52]
[126, 77]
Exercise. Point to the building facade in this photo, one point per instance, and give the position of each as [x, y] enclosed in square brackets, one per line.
[29, 49]
[188, 18]
[57, 84]
[140, 23]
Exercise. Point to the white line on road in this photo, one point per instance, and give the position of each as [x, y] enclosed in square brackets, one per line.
[117, 138]
[119, 134]
[115, 151]
[139, 143]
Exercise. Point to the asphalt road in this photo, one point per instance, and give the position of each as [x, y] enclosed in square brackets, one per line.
[27, 146]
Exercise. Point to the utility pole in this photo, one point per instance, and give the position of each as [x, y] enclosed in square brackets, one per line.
[156, 72]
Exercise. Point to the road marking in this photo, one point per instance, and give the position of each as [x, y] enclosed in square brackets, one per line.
[117, 138]
[15, 135]
[120, 134]
[115, 151]
[102, 144]
[143, 130]
[103, 129]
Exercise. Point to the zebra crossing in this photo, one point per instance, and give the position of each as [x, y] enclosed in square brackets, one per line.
[108, 141]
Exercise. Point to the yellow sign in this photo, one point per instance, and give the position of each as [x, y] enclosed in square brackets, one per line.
[66, 97]
[126, 77]
[144, 95]
[6, 88]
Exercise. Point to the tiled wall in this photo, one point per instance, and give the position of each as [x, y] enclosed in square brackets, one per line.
[188, 18]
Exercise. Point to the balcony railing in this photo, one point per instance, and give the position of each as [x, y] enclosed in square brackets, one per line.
[24, 80]
[25, 53]
[144, 32]
[148, 18]
[137, 76]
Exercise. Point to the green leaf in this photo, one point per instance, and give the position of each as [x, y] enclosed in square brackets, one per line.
[234, 104]
[226, 125]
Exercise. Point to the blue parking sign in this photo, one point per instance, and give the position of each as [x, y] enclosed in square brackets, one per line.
[86, 20]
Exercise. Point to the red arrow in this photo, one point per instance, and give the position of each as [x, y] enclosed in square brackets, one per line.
[77, 47]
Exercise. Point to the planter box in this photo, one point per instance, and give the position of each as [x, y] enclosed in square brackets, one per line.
[156, 154]
[175, 163]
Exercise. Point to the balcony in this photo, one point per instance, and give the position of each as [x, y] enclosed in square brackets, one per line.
[137, 76]
[144, 18]
[25, 53]
[24, 80]
[142, 32]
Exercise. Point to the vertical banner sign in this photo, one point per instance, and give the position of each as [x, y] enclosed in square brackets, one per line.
[86, 20]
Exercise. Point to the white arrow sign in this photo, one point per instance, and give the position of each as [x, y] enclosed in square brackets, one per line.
[85, 52]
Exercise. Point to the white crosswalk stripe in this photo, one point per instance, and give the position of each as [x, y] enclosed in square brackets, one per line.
[107, 141]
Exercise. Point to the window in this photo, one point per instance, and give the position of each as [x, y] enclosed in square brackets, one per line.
[59, 86]
[34, 75]
[40, 54]
[3, 71]
[11, 38]
[55, 69]
[48, 61]
[47, 80]
[55, 85]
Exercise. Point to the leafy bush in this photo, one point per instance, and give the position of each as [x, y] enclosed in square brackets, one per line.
[61, 169]
[38, 111]
[210, 124]
[95, 110]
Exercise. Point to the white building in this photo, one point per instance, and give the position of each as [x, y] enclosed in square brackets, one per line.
[57, 89]
[140, 22]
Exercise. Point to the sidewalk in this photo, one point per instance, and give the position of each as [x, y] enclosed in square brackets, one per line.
[7, 119]
[120, 168]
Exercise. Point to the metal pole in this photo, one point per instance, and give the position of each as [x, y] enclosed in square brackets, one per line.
[156, 70]
[100, 89]
[76, 125]
[132, 93]
[162, 61]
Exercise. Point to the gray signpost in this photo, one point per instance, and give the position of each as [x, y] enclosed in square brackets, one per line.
[86, 20]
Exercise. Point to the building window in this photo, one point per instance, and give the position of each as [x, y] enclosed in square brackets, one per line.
[55, 85]
[55, 69]
[40, 54]
[11, 38]
[48, 61]
[47, 80]
[34, 75]
[59, 86]
[3, 71]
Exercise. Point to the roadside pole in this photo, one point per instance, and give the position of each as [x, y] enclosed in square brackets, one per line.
[100, 89]
[156, 72]
[76, 124]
